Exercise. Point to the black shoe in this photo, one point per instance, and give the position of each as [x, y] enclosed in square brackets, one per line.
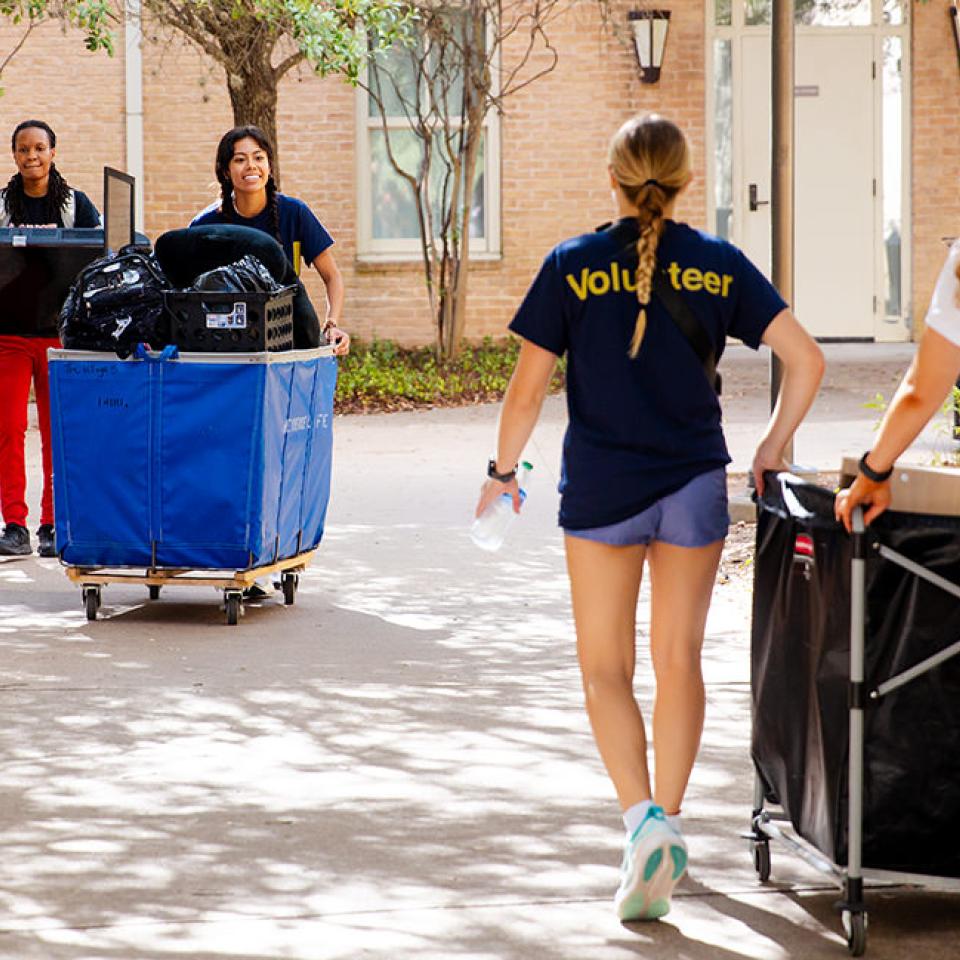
[254, 594]
[45, 545]
[15, 541]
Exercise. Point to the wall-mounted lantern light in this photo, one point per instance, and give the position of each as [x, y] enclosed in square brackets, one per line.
[649, 38]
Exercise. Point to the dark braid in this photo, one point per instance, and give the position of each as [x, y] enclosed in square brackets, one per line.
[226, 199]
[58, 190]
[274, 207]
[222, 171]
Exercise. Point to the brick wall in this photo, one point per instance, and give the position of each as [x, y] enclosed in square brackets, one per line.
[554, 137]
[80, 94]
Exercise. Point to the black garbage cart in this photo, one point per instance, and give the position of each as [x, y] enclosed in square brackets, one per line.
[855, 684]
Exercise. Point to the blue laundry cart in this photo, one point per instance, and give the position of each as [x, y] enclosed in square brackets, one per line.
[195, 468]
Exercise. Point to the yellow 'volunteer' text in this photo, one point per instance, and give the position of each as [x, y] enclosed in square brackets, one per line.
[597, 283]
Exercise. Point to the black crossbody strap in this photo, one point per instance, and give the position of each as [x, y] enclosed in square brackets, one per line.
[624, 234]
[689, 325]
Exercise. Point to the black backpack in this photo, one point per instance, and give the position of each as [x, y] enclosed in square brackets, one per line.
[115, 303]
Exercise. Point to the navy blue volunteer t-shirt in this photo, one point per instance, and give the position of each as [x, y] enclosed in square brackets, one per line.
[301, 233]
[640, 428]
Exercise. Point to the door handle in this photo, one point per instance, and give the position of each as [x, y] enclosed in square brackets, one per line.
[755, 204]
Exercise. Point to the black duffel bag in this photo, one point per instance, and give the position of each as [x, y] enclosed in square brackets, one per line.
[115, 303]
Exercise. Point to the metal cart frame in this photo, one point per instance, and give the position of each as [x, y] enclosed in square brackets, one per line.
[764, 823]
[232, 583]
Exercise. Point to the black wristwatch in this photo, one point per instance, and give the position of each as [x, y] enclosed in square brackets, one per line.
[502, 477]
[877, 476]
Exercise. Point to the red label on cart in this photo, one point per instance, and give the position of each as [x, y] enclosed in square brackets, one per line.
[803, 546]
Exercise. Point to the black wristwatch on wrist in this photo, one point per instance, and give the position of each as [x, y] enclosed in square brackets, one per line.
[877, 476]
[502, 477]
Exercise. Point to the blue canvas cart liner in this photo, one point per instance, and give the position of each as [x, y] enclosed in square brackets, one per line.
[202, 461]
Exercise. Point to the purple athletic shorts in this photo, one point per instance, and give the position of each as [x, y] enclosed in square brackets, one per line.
[692, 516]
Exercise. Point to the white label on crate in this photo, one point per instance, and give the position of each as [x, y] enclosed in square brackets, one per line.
[235, 320]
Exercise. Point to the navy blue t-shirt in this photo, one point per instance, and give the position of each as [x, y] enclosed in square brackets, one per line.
[300, 231]
[640, 428]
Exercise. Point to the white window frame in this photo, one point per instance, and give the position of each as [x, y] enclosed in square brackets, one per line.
[376, 250]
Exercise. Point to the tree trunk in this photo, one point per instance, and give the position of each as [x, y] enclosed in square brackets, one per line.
[454, 313]
[252, 84]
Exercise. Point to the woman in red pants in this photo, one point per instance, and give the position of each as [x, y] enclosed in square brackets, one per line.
[36, 195]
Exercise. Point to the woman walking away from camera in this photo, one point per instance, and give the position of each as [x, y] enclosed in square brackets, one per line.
[925, 385]
[36, 195]
[249, 197]
[643, 474]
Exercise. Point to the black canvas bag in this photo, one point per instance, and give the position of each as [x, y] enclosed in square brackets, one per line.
[115, 303]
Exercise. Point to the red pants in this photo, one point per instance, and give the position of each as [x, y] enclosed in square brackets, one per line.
[23, 359]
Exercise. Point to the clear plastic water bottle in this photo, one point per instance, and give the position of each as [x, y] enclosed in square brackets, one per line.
[489, 529]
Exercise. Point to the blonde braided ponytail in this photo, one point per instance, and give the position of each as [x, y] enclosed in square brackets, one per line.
[650, 159]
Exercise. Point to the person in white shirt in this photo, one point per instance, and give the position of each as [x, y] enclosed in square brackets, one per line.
[925, 385]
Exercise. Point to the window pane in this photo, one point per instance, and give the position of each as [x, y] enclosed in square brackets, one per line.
[722, 13]
[393, 79]
[814, 13]
[394, 213]
[393, 209]
[756, 12]
[893, 12]
[449, 43]
[892, 172]
[833, 13]
[723, 138]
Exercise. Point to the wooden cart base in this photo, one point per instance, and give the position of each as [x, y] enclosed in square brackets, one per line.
[231, 582]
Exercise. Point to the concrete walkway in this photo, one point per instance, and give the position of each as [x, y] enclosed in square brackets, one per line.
[398, 766]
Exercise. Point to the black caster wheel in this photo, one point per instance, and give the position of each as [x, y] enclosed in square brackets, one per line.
[91, 601]
[154, 591]
[855, 929]
[233, 604]
[289, 583]
[761, 859]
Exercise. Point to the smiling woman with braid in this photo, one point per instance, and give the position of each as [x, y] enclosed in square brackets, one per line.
[643, 473]
[249, 197]
[36, 195]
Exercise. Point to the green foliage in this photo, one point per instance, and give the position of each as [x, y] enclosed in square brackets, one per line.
[338, 36]
[381, 376]
[92, 16]
[333, 36]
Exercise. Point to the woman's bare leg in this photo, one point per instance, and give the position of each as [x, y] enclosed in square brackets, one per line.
[605, 585]
[681, 582]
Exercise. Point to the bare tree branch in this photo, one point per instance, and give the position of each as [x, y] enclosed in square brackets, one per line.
[31, 26]
[457, 77]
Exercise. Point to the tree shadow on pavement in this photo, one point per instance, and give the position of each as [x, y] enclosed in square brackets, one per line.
[399, 765]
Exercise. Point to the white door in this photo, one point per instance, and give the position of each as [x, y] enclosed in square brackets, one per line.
[835, 203]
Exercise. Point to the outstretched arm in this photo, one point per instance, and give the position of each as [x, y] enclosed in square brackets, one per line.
[327, 267]
[921, 392]
[518, 416]
[803, 366]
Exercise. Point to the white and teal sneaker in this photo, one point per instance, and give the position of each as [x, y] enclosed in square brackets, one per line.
[654, 860]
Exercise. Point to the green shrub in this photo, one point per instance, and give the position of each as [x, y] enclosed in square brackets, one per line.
[380, 376]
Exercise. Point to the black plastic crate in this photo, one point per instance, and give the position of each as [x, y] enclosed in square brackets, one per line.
[205, 321]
